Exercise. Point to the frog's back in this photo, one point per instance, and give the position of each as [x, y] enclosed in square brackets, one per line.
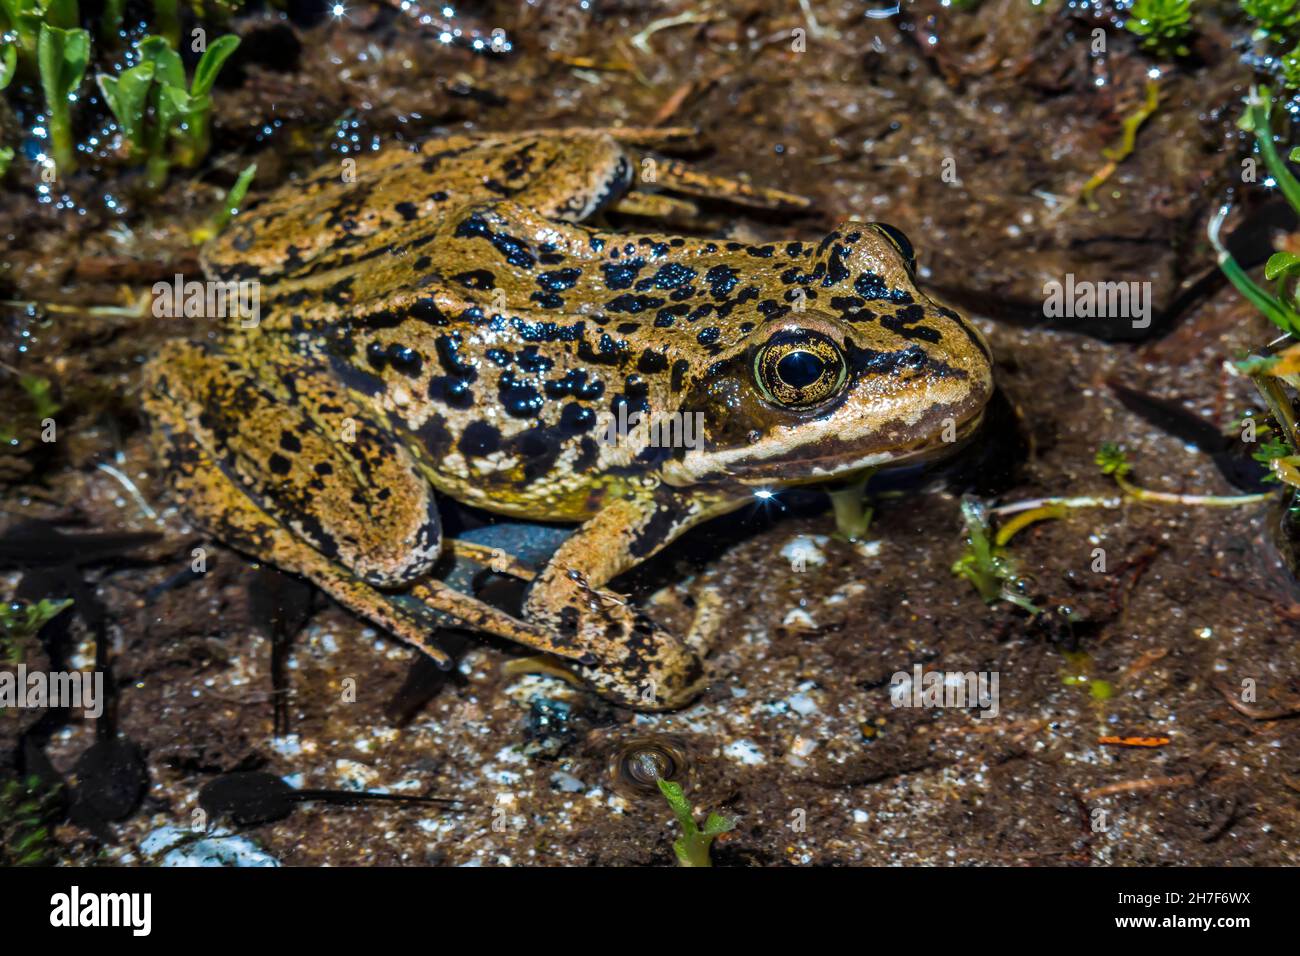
[357, 209]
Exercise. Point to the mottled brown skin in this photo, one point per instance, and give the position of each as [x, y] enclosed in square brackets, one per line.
[445, 325]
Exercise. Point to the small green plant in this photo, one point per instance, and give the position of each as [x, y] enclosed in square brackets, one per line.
[127, 96]
[28, 809]
[984, 564]
[41, 393]
[228, 209]
[21, 621]
[8, 62]
[1272, 374]
[161, 118]
[1274, 17]
[61, 56]
[21, 21]
[692, 847]
[1290, 63]
[1162, 25]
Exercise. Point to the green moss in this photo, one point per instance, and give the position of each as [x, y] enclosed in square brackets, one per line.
[1162, 25]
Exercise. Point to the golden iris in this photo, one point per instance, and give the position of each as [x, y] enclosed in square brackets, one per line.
[798, 368]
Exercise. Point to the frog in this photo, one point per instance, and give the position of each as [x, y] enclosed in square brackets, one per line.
[463, 319]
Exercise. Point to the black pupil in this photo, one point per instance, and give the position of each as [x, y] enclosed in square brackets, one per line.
[799, 369]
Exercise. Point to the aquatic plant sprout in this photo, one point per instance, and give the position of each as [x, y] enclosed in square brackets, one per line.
[62, 56]
[984, 564]
[692, 847]
[229, 207]
[162, 121]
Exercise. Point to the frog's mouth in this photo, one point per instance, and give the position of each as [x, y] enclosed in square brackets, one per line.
[798, 469]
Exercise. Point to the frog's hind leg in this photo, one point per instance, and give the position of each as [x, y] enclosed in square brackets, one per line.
[654, 176]
[679, 176]
[656, 206]
[329, 494]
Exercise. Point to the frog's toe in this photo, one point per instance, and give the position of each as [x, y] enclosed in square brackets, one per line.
[636, 663]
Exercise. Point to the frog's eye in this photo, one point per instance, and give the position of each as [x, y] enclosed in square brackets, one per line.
[797, 368]
[899, 242]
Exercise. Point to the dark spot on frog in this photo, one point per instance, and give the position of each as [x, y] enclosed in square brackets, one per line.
[515, 251]
[558, 280]
[454, 392]
[654, 531]
[476, 279]
[619, 275]
[679, 374]
[290, 442]
[407, 210]
[651, 362]
[588, 455]
[901, 322]
[447, 348]
[872, 362]
[479, 439]
[576, 419]
[340, 293]
[278, 464]
[633, 303]
[666, 316]
[538, 448]
[395, 356]
[434, 436]
[608, 351]
[546, 331]
[575, 384]
[709, 336]
[721, 280]
[671, 275]
[519, 398]
[533, 362]
[871, 286]
[426, 310]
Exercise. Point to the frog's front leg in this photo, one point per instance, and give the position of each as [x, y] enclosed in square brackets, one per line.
[637, 662]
